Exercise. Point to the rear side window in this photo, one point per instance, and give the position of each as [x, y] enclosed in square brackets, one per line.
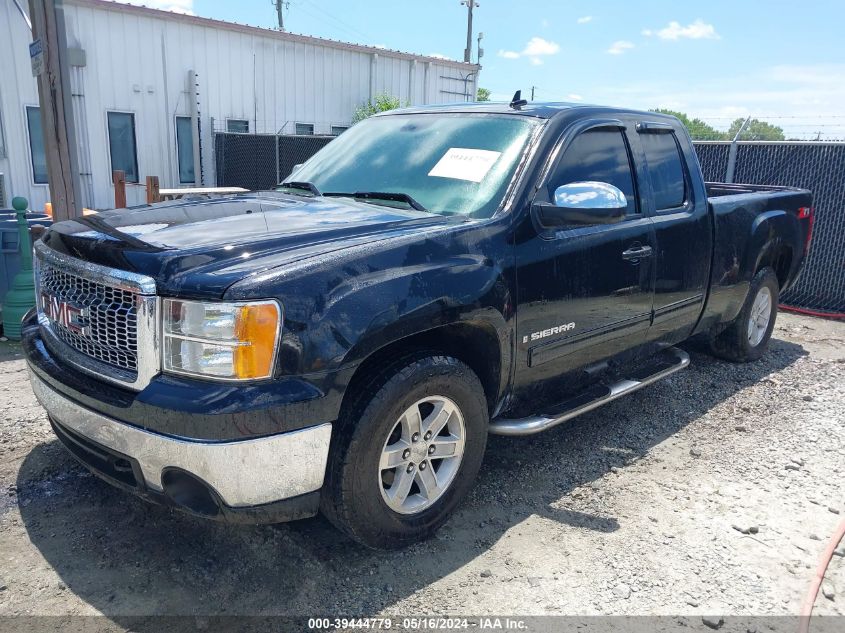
[666, 170]
[598, 156]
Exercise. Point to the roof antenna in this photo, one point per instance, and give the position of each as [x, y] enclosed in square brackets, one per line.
[517, 102]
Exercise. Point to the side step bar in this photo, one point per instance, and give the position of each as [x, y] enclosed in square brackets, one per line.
[665, 363]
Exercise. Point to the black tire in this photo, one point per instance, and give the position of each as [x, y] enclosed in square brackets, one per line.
[351, 497]
[733, 343]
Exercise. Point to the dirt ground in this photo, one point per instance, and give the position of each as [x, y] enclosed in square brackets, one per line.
[714, 491]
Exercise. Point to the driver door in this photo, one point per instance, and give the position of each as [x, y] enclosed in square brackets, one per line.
[585, 291]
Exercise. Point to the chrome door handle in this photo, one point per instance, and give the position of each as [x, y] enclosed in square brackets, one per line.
[637, 252]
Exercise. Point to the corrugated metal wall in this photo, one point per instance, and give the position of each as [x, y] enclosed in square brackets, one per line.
[138, 61]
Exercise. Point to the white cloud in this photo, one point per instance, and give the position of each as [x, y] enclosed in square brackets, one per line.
[698, 30]
[176, 6]
[539, 46]
[618, 48]
[574, 97]
[438, 56]
[536, 48]
[585, 19]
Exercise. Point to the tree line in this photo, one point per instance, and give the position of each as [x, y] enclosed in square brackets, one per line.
[756, 130]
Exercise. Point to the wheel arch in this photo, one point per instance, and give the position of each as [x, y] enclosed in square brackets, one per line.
[773, 240]
[475, 343]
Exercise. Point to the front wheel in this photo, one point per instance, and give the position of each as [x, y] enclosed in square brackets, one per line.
[747, 337]
[407, 451]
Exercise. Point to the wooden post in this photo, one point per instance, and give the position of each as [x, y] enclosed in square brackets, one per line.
[152, 190]
[119, 179]
[54, 96]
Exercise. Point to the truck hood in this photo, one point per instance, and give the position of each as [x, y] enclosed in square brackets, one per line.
[199, 248]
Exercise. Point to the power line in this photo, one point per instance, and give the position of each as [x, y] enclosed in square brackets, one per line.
[339, 24]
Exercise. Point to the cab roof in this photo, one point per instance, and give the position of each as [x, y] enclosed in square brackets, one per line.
[535, 109]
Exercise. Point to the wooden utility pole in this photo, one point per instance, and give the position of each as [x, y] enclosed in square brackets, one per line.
[48, 28]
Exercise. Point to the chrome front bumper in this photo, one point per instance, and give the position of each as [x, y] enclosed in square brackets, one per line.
[243, 473]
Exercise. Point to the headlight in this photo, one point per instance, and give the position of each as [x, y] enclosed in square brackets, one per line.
[229, 341]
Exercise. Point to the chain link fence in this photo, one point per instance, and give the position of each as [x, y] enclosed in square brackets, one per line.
[260, 161]
[819, 167]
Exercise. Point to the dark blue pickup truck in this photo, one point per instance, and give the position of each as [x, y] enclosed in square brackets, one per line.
[346, 342]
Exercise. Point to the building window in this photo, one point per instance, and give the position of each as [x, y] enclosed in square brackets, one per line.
[36, 145]
[237, 126]
[304, 129]
[337, 130]
[124, 156]
[185, 149]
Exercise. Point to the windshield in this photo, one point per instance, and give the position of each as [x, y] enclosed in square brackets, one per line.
[448, 163]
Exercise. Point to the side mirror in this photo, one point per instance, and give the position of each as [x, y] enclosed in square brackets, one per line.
[583, 203]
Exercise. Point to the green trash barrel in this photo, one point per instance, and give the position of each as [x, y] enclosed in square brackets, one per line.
[17, 288]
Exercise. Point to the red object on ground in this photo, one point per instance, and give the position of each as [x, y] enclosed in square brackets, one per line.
[810, 600]
[824, 315]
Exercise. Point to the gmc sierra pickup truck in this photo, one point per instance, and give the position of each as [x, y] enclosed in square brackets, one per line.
[346, 342]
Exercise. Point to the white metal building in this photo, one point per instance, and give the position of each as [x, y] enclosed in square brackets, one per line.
[149, 87]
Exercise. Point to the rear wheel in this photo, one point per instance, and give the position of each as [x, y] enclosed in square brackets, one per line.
[406, 452]
[747, 337]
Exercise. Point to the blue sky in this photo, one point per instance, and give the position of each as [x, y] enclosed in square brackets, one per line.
[716, 59]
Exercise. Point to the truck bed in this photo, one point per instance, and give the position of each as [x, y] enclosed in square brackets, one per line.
[720, 189]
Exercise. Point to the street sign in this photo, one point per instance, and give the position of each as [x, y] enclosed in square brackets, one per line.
[36, 57]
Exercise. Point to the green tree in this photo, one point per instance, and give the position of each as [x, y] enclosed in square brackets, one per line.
[756, 130]
[698, 129]
[382, 103]
[482, 95]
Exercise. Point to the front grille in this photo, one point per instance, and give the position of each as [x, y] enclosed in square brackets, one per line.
[107, 328]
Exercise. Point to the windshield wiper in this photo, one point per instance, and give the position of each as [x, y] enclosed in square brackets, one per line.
[378, 195]
[304, 186]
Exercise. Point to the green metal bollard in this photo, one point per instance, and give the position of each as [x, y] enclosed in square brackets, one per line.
[21, 296]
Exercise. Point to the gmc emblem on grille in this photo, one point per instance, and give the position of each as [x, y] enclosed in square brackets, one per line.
[68, 316]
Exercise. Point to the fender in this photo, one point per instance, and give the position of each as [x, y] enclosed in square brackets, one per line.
[771, 232]
[339, 310]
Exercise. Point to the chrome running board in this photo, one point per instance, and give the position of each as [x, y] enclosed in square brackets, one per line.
[667, 362]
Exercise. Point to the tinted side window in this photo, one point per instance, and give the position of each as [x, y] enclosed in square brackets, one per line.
[665, 169]
[597, 155]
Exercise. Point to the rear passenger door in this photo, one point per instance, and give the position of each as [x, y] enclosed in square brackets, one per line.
[683, 232]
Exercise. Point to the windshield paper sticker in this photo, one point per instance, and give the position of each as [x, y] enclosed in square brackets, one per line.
[465, 164]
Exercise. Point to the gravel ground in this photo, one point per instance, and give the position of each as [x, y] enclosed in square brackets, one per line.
[714, 491]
